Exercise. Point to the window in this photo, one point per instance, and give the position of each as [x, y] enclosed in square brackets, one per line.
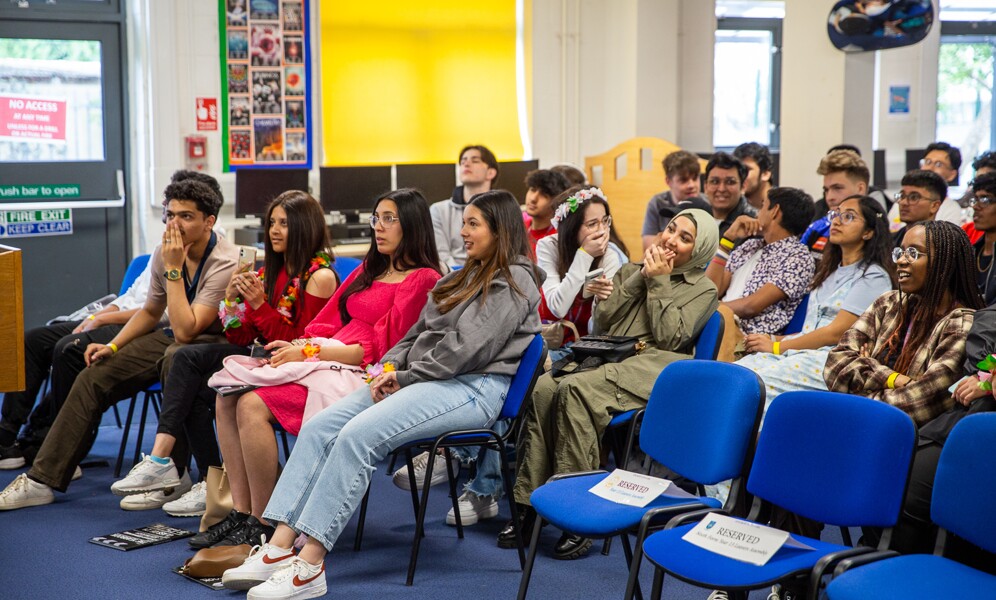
[747, 73]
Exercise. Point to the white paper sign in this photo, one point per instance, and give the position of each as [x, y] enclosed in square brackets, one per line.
[740, 540]
[631, 489]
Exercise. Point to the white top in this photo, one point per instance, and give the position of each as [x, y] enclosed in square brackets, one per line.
[560, 293]
[949, 211]
[136, 294]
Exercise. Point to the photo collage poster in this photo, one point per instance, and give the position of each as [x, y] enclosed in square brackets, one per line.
[266, 95]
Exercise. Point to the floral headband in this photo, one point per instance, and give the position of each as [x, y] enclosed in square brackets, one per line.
[572, 203]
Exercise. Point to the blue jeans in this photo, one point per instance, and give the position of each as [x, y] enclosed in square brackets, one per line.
[488, 479]
[338, 450]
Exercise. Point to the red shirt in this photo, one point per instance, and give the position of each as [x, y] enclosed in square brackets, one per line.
[267, 323]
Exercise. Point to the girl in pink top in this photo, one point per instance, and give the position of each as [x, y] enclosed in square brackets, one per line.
[368, 314]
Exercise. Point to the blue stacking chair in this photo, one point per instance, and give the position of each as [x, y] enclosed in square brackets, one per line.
[798, 317]
[344, 265]
[834, 458]
[521, 387]
[964, 488]
[701, 421]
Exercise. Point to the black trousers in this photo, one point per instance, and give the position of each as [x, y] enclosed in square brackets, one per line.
[188, 403]
[56, 348]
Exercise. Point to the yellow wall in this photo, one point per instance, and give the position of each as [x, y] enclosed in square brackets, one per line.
[417, 81]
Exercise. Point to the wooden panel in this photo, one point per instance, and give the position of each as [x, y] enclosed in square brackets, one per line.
[11, 320]
[630, 186]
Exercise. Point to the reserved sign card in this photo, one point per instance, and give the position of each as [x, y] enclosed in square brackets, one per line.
[632, 489]
[740, 540]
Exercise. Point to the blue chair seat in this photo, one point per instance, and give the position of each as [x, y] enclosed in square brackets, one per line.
[600, 517]
[622, 418]
[914, 577]
[696, 565]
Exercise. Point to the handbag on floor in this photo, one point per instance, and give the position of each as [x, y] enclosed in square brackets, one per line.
[219, 498]
[212, 562]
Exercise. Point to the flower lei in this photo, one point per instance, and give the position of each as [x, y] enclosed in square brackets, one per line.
[573, 202]
[231, 315]
[289, 297]
[986, 366]
[377, 369]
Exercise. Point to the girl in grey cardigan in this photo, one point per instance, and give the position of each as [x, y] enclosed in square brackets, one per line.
[451, 371]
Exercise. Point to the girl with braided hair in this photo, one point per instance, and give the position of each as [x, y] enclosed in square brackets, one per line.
[908, 348]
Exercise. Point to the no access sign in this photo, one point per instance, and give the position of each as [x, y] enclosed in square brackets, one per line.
[32, 118]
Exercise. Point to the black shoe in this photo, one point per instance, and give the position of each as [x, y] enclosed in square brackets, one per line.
[11, 457]
[527, 518]
[250, 531]
[571, 546]
[218, 531]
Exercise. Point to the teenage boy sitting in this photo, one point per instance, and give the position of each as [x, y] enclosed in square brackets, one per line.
[543, 185]
[189, 273]
[919, 199]
[765, 278]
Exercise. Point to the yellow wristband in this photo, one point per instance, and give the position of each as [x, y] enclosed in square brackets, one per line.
[776, 347]
[91, 317]
[891, 381]
[728, 244]
[113, 347]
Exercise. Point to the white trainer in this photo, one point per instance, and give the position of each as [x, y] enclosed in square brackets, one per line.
[191, 504]
[22, 492]
[156, 499]
[262, 562]
[718, 595]
[419, 462]
[297, 579]
[147, 476]
[473, 508]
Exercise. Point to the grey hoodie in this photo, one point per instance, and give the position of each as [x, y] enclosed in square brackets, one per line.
[474, 337]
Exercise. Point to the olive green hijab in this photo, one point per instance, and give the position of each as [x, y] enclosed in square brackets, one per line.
[706, 240]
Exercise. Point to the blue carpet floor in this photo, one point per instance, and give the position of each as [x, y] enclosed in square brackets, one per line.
[45, 553]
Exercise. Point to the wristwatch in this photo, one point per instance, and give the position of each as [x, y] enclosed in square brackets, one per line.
[172, 274]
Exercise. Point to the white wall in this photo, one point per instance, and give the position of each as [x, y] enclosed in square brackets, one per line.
[603, 71]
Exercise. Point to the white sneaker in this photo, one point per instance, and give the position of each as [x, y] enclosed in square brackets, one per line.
[473, 508]
[77, 473]
[191, 504]
[23, 492]
[156, 499]
[420, 462]
[718, 595]
[147, 476]
[298, 579]
[262, 562]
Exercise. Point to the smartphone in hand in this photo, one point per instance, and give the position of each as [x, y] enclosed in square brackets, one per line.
[247, 259]
[593, 274]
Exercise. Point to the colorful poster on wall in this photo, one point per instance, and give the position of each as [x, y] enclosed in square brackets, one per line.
[266, 92]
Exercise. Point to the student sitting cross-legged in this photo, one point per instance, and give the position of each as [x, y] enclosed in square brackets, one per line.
[451, 371]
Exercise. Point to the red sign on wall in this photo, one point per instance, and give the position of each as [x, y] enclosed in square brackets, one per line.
[27, 118]
[207, 114]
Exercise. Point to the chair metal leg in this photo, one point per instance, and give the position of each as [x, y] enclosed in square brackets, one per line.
[412, 484]
[155, 398]
[451, 479]
[141, 429]
[845, 534]
[283, 439]
[506, 473]
[124, 437]
[117, 415]
[358, 538]
[420, 520]
[655, 592]
[628, 553]
[390, 466]
[527, 571]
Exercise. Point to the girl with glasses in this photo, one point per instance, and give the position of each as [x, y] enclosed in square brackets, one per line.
[854, 271]
[368, 314]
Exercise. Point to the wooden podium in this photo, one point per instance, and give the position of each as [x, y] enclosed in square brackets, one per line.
[11, 320]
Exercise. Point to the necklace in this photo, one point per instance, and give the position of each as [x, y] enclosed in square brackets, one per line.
[978, 263]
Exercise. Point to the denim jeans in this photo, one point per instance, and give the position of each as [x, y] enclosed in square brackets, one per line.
[338, 450]
[487, 480]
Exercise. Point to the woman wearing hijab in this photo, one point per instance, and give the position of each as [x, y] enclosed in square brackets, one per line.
[665, 302]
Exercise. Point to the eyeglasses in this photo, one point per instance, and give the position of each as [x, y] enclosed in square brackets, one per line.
[728, 182]
[845, 217]
[911, 254]
[605, 221]
[926, 163]
[386, 221]
[981, 201]
[911, 198]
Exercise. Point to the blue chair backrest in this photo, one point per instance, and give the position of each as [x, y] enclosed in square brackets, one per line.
[701, 419]
[707, 346]
[834, 458]
[798, 317]
[135, 269]
[965, 483]
[530, 368]
[344, 265]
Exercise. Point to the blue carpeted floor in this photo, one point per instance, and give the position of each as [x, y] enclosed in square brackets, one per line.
[45, 553]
